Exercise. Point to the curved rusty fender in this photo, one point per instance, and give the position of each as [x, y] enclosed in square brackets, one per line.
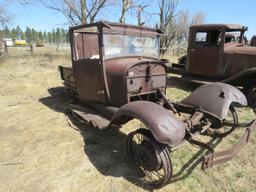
[215, 98]
[165, 127]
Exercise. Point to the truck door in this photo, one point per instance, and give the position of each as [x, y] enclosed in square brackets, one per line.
[204, 53]
[87, 66]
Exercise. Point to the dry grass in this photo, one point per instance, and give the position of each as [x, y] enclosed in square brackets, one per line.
[39, 151]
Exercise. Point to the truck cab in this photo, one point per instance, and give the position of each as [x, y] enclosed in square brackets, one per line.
[207, 48]
[114, 64]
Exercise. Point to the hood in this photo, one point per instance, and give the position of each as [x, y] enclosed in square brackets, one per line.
[117, 70]
[236, 59]
[238, 48]
[119, 66]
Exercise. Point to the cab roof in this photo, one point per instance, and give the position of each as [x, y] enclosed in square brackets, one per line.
[228, 27]
[110, 25]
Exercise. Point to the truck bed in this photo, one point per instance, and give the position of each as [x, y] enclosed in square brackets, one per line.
[68, 77]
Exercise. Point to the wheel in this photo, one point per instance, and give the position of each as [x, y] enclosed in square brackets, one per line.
[232, 117]
[150, 158]
[251, 94]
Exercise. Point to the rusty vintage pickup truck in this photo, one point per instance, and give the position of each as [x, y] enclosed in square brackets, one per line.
[117, 75]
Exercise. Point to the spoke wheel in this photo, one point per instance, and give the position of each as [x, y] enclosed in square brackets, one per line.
[150, 158]
[231, 118]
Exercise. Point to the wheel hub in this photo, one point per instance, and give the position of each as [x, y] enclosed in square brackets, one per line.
[148, 158]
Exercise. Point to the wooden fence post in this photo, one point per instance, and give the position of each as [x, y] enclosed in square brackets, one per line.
[5, 48]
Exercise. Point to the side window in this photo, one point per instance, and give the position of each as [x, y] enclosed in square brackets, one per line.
[201, 37]
[85, 46]
[209, 38]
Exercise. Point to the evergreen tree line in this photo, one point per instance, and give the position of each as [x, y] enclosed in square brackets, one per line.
[32, 36]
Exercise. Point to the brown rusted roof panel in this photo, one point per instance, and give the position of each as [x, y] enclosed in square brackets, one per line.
[218, 26]
[110, 26]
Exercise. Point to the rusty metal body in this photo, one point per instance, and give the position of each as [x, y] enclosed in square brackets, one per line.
[223, 96]
[212, 56]
[114, 86]
[93, 72]
[253, 41]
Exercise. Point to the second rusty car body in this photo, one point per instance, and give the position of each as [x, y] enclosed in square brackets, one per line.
[218, 53]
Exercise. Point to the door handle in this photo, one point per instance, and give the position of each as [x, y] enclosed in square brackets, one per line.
[192, 50]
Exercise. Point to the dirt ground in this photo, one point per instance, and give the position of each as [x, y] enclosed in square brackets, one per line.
[40, 151]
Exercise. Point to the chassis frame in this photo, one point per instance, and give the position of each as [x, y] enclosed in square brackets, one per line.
[152, 154]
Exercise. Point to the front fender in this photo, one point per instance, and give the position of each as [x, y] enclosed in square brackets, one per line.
[164, 126]
[215, 98]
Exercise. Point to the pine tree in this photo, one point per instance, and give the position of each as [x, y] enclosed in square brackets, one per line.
[7, 32]
[23, 36]
[34, 35]
[58, 35]
[67, 36]
[28, 34]
[63, 35]
[45, 37]
[49, 34]
[14, 34]
[40, 36]
[53, 36]
[19, 32]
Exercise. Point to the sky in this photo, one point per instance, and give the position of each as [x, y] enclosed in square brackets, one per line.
[217, 11]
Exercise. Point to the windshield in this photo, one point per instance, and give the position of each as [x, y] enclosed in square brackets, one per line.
[233, 37]
[126, 45]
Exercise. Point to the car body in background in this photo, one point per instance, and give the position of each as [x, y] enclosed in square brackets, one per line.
[215, 54]
[253, 41]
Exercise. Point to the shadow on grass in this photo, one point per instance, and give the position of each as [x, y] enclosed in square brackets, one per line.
[192, 163]
[58, 99]
[105, 148]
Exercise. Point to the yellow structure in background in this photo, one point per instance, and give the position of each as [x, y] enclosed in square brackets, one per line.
[20, 42]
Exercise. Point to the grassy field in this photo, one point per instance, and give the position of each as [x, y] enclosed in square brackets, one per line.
[39, 151]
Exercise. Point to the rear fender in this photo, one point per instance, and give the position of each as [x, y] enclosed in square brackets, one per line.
[164, 126]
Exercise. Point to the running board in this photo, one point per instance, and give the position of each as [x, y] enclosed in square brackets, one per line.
[224, 156]
[89, 116]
